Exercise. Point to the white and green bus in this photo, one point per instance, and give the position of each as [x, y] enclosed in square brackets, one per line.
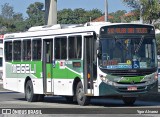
[81, 61]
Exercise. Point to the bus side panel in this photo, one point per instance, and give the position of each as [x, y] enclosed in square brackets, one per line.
[37, 85]
[37, 77]
[63, 86]
[17, 72]
[10, 79]
[64, 74]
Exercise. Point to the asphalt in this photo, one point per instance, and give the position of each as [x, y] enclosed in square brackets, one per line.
[153, 95]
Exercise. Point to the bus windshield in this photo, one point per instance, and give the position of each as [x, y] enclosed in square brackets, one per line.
[128, 53]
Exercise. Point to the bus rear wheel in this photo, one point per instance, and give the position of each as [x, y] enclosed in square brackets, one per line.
[81, 98]
[29, 94]
[129, 101]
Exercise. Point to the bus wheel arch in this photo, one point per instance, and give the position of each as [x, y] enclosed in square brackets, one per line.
[29, 92]
[26, 80]
[79, 95]
[81, 98]
[75, 83]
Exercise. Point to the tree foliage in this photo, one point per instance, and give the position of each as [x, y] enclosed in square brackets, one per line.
[14, 22]
[36, 14]
[7, 11]
[150, 9]
[117, 16]
[77, 16]
[9, 19]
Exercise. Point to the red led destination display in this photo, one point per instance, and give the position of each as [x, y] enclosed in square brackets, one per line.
[127, 30]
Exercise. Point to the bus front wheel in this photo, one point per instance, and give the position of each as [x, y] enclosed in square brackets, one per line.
[29, 94]
[82, 99]
[129, 101]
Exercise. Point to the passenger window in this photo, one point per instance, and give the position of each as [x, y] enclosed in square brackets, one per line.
[8, 51]
[75, 47]
[36, 45]
[27, 50]
[61, 48]
[17, 50]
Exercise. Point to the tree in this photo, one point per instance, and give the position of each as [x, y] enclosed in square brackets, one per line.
[36, 14]
[11, 21]
[117, 16]
[7, 11]
[65, 16]
[93, 14]
[19, 22]
[77, 16]
[150, 9]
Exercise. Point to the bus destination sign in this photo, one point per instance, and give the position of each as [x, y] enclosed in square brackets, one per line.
[127, 30]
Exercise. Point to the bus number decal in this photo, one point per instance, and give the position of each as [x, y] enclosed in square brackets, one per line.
[23, 68]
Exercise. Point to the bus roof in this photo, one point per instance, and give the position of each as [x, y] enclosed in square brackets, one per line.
[62, 29]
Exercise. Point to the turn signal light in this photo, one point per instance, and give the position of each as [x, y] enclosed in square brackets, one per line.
[156, 76]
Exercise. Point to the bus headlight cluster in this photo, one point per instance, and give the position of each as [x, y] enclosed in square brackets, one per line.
[151, 78]
[104, 79]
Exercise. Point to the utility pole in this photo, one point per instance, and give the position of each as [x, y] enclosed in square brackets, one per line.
[141, 11]
[50, 12]
[106, 10]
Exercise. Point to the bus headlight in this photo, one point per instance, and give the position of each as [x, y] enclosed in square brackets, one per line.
[156, 76]
[151, 78]
[104, 79]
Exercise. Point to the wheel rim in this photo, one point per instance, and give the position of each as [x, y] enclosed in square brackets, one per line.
[80, 94]
[28, 91]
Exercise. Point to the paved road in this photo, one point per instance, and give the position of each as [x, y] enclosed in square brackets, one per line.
[58, 105]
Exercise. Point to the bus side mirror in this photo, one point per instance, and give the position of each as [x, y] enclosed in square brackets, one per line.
[97, 44]
[98, 50]
[99, 55]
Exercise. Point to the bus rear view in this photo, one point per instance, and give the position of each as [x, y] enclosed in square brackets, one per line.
[127, 60]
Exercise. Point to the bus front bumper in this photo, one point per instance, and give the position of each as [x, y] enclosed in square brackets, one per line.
[128, 90]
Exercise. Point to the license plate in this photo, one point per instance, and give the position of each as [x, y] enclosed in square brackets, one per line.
[132, 88]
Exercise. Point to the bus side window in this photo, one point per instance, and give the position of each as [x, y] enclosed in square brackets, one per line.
[27, 49]
[36, 49]
[60, 48]
[16, 50]
[8, 51]
[75, 47]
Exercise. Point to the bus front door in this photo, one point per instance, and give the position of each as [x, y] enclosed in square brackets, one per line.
[47, 65]
[88, 64]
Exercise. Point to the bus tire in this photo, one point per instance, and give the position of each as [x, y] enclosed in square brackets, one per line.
[81, 98]
[129, 101]
[40, 97]
[29, 94]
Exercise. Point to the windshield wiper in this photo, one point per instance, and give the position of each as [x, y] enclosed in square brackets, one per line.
[139, 45]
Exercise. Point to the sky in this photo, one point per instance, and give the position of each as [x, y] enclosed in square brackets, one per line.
[20, 6]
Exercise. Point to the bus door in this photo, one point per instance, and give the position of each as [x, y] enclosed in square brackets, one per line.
[47, 65]
[88, 64]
